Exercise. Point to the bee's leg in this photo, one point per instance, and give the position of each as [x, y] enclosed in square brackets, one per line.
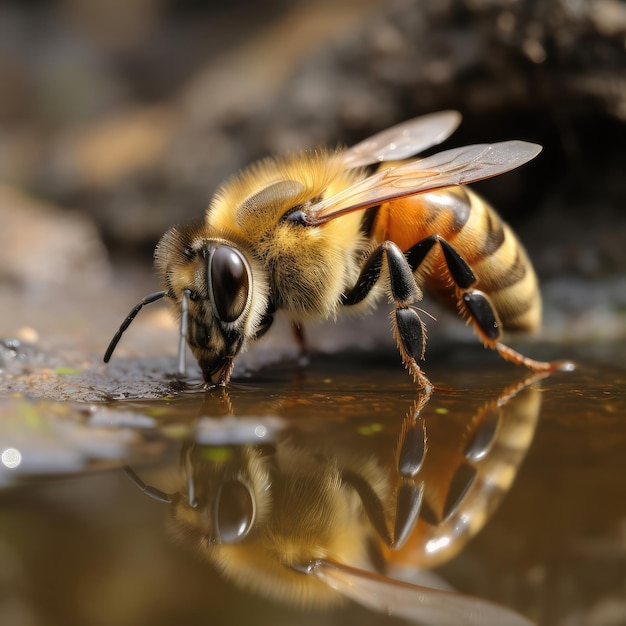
[409, 329]
[409, 492]
[509, 354]
[264, 325]
[373, 506]
[476, 306]
[460, 271]
[300, 337]
[412, 447]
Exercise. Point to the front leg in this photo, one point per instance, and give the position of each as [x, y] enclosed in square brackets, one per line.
[409, 329]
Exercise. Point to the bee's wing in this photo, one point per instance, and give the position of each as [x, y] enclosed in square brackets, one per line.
[415, 603]
[404, 140]
[457, 166]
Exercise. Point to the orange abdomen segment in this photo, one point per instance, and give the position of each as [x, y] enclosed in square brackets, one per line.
[493, 251]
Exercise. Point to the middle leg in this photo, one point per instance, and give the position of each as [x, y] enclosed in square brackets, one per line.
[409, 329]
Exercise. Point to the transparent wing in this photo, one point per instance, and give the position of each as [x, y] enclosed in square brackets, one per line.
[417, 604]
[404, 140]
[452, 167]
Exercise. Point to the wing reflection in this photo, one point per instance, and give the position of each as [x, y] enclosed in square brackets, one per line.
[416, 603]
[313, 519]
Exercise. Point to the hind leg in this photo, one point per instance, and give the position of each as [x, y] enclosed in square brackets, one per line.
[476, 306]
[488, 327]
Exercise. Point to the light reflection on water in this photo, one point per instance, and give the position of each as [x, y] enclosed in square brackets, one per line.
[95, 550]
[11, 458]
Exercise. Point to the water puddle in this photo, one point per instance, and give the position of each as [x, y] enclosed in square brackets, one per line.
[322, 495]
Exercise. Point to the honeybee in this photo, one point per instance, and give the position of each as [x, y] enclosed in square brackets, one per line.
[308, 518]
[317, 231]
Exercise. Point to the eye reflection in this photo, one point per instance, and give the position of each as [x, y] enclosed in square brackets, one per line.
[234, 512]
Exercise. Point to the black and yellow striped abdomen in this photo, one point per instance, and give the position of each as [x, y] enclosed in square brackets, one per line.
[493, 251]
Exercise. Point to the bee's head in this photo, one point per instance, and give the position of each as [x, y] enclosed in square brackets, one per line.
[225, 495]
[220, 294]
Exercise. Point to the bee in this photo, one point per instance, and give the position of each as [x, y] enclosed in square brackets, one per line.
[354, 519]
[317, 232]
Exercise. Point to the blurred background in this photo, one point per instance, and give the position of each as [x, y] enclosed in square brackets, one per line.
[120, 118]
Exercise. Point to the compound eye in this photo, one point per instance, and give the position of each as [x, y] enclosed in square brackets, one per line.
[234, 512]
[228, 277]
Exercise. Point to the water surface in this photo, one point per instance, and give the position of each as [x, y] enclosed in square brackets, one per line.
[518, 485]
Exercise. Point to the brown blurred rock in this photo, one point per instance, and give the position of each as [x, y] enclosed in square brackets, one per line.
[104, 154]
[45, 248]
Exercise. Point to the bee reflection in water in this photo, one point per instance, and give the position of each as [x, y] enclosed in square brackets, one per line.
[313, 522]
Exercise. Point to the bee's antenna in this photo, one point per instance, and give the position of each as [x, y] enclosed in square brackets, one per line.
[153, 297]
[184, 311]
[153, 492]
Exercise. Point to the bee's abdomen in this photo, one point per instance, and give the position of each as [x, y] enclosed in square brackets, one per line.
[493, 251]
[500, 263]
